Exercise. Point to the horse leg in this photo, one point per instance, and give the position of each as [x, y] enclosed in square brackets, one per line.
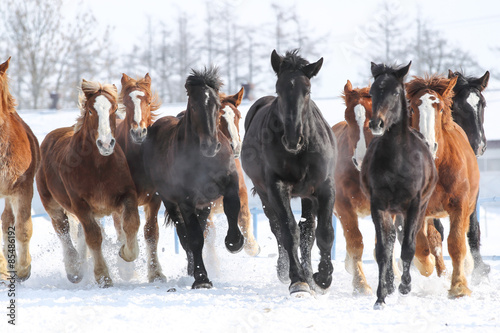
[325, 234]
[175, 215]
[194, 237]
[457, 248]
[251, 246]
[118, 227]
[354, 247]
[151, 236]
[234, 239]
[93, 237]
[386, 235]
[21, 207]
[307, 237]
[7, 222]
[130, 224]
[436, 247]
[279, 198]
[481, 269]
[413, 223]
[426, 261]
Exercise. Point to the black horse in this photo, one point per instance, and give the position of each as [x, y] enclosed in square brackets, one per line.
[191, 163]
[289, 151]
[398, 175]
[468, 113]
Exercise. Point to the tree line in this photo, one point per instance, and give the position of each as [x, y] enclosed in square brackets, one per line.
[53, 50]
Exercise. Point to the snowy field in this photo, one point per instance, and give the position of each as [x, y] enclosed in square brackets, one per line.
[247, 295]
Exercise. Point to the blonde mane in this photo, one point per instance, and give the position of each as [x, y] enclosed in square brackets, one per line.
[8, 103]
[91, 87]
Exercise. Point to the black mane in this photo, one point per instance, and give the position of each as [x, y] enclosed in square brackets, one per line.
[209, 77]
[466, 81]
[292, 61]
[379, 69]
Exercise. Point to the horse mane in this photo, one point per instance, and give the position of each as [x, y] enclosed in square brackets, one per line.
[141, 83]
[435, 83]
[292, 61]
[209, 77]
[91, 87]
[465, 81]
[7, 101]
[379, 69]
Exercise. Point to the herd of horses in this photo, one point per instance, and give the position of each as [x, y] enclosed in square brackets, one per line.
[406, 154]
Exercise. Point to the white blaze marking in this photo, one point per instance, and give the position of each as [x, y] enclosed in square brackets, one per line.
[102, 105]
[427, 122]
[473, 100]
[231, 127]
[360, 151]
[137, 105]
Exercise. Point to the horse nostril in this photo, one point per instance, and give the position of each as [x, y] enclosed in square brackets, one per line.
[435, 147]
[203, 146]
[301, 141]
[112, 142]
[99, 143]
[144, 131]
[218, 146]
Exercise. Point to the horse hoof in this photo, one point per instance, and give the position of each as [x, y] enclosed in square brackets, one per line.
[157, 277]
[202, 285]
[481, 271]
[379, 305]
[74, 278]
[299, 290]
[404, 289]
[252, 250]
[363, 289]
[125, 257]
[24, 276]
[235, 247]
[322, 282]
[458, 291]
[105, 282]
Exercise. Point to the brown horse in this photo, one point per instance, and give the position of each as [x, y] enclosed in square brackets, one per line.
[229, 125]
[456, 192]
[19, 161]
[139, 103]
[353, 138]
[82, 173]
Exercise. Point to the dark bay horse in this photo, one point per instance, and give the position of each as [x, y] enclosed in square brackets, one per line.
[398, 175]
[457, 189]
[289, 150]
[19, 161]
[229, 125]
[191, 164]
[139, 104]
[84, 174]
[353, 137]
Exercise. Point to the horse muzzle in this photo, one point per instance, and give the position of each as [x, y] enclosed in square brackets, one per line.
[210, 149]
[236, 147]
[106, 147]
[377, 126]
[293, 146]
[138, 134]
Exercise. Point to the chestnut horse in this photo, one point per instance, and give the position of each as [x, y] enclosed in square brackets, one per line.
[457, 189]
[229, 125]
[289, 150]
[19, 161]
[139, 104]
[191, 164]
[84, 174]
[353, 137]
[398, 174]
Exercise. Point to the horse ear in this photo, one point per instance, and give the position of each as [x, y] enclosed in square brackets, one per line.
[401, 73]
[313, 69]
[125, 78]
[451, 85]
[348, 87]
[372, 67]
[147, 78]
[4, 66]
[483, 80]
[276, 61]
[450, 74]
[239, 97]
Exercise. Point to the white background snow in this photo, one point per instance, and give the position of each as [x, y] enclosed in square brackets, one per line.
[247, 295]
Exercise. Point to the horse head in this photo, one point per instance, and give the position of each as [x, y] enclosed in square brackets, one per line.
[357, 115]
[230, 119]
[203, 108]
[293, 88]
[139, 103]
[468, 108]
[388, 98]
[99, 108]
[430, 104]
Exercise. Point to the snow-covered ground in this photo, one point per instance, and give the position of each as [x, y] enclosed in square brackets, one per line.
[247, 295]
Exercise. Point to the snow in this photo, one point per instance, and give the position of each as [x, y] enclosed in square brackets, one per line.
[247, 295]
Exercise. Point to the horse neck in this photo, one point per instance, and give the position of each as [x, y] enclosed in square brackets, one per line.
[403, 125]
